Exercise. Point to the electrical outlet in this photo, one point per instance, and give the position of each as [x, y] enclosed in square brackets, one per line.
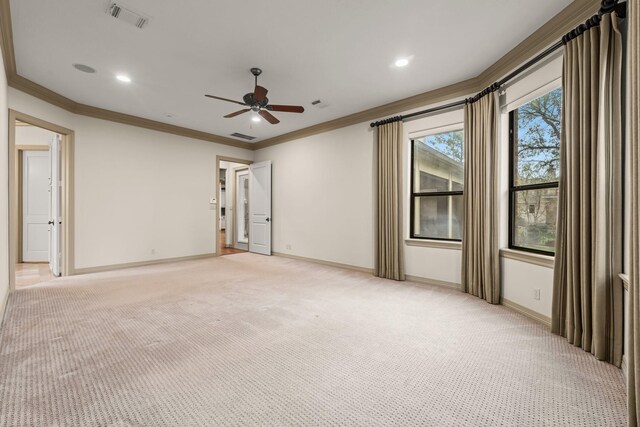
[536, 294]
[288, 246]
[153, 251]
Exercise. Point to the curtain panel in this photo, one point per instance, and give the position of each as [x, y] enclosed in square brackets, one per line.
[633, 139]
[480, 251]
[587, 291]
[389, 246]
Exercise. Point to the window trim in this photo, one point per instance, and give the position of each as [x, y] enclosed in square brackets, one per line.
[513, 189]
[413, 196]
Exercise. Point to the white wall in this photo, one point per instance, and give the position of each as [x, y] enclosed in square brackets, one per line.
[322, 198]
[429, 263]
[33, 135]
[4, 193]
[140, 195]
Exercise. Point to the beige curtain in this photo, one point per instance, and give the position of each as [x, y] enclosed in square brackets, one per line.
[633, 139]
[389, 253]
[587, 292]
[480, 257]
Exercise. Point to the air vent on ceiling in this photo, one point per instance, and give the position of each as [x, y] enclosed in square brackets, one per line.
[127, 15]
[243, 136]
[319, 104]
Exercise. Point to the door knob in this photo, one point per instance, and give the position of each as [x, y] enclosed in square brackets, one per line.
[51, 223]
[268, 219]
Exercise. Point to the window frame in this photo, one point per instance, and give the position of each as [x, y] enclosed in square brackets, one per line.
[514, 189]
[413, 195]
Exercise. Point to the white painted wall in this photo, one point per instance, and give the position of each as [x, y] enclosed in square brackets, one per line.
[430, 263]
[520, 279]
[322, 199]
[33, 135]
[4, 193]
[136, 190]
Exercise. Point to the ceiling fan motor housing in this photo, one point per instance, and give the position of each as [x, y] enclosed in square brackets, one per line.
[253, 104]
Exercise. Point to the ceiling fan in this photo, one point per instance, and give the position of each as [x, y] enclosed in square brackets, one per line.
[258, 102]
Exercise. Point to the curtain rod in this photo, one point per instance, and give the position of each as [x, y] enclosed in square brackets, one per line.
[607, 6]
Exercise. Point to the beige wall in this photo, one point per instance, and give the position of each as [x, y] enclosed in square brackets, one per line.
[4, 193]
[140, 195]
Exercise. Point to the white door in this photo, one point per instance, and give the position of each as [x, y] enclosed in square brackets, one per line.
[55, 194]
[35, 206]
[260, 208]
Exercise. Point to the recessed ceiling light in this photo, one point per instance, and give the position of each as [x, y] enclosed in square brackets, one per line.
[84, 68]
[255, 119]
[402, 62]
[123, 78]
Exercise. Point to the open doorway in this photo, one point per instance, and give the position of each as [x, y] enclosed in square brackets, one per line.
[39, 199]
[232, 210]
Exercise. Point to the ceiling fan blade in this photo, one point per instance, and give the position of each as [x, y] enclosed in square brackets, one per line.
[269, 117]
[237, 113]
[286, 108]
[259, 94]
[225, 99]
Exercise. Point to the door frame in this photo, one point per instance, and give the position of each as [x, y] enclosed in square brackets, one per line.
[66, 172]
[217, 209]
[234, 241]
[19, 172]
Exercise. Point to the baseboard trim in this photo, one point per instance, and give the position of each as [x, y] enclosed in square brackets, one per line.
[111, 267]
[323, 262]
[3, 307]
[546, 321]
[433, 282]
[625, 369]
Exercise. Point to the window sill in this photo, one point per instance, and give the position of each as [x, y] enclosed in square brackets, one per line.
[625, 280]
[531, 258]
[440, 244]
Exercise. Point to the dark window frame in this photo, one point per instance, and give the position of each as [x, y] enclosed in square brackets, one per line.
[415, 195]
[514, 189]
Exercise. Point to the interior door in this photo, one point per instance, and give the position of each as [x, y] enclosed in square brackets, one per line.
[55, 221]
[260, 207]
[35, 206]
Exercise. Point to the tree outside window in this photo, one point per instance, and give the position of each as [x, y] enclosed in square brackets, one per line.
[535, 167]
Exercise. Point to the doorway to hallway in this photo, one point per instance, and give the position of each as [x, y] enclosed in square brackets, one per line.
[39, 197]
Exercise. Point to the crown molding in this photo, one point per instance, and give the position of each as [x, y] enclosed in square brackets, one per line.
[549, 33]
[446, 93]
[6, 39]
[25, 85]
[577, 12]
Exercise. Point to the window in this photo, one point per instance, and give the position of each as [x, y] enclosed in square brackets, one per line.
[437, 182]
[534, 137]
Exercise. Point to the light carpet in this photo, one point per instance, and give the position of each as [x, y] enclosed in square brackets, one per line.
[248, 340]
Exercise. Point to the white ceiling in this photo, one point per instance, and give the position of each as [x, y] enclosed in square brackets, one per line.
[338, 51]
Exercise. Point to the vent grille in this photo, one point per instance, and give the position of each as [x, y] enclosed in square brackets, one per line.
[126, 15]
[243, 136]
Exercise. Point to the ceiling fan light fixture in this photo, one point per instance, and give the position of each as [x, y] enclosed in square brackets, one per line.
[256, 119]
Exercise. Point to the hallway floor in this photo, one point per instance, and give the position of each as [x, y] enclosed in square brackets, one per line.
[31, 273]
[224, 250]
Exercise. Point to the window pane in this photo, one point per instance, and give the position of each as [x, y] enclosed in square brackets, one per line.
[537, 140]
[437, 217]
[535, 219]
[438, 162]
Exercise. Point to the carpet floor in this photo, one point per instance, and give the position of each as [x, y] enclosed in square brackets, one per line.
[249, 340]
